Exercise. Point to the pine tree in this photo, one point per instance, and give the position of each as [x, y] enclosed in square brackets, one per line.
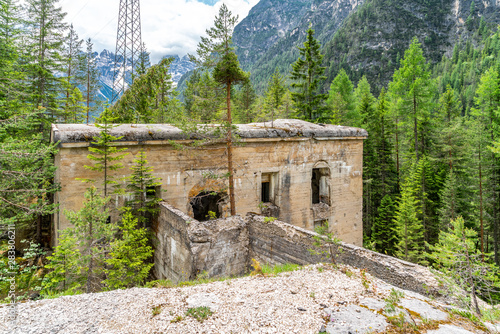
[105, 154]
[409, 229]
[142, 187]
[45, 37]
[65, 273]
[457, 257]
[383, 229]
[307, 75]
[129, 262]
[216, 52]
[203, 98]
[94, 236]
[71, 57]
[90, 80]
[340, 101]
[411, 89]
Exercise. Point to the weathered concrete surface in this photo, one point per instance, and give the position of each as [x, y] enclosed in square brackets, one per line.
[290, 150]
[424, 309]
[355, 319]
[185, 247]
[449, 329]
[225, 247]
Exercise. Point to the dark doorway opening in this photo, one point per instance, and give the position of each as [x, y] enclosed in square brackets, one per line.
[206, 206]
[265, 195]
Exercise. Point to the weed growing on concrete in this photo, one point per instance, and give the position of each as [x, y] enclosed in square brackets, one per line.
[392, 300]
[156, 310]
[178, 318]
[364, 279]
[312, 295]
[199, 313]
[269, 219]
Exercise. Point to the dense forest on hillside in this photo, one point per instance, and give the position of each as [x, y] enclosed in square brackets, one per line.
[431, 162]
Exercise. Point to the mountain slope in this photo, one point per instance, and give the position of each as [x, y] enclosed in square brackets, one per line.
[363, 36]
[268, 37]
[106, 66]
[372, 39]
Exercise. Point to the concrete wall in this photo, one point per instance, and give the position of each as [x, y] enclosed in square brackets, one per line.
[225, 247]
[183, 175]
[185, 247]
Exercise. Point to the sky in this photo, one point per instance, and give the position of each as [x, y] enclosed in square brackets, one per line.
[169, 27]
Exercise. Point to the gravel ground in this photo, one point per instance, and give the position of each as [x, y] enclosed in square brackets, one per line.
[291, 302]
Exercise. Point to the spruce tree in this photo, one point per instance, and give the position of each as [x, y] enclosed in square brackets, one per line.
[88, 67]
[128, 264]
[105, 154]
[141, 185]
[411, 90]
[307, 77]
[44, 49]
[340, 101]
[71, 57]
[409, 228]
[94, 236]
[65, 271]
[244, 100]
[383, 229]
[275, 93]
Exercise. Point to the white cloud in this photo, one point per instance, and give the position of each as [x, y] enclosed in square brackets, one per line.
[168, 27]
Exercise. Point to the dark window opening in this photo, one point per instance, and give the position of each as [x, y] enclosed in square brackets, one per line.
[319, 186]
[206, 206]
[153, 191]
[265, 195]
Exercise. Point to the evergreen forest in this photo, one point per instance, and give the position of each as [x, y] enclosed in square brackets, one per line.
[431, 175]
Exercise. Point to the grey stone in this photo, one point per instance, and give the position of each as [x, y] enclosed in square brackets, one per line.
[203, 300]
[355, 319]
[372, 304]
[425, 310]
[449, 329]
[494, 328]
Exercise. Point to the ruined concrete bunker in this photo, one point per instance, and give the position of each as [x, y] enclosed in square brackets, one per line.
[301, 173]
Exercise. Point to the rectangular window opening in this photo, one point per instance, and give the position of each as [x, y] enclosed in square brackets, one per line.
[320, 188]
[269, 189]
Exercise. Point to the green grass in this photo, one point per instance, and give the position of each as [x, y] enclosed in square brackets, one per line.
[199, 313]
[280, 268]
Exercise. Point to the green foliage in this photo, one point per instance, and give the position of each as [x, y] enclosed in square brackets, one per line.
[129, 262]
[457, 257]
[150, 99]
[279, 268]
[340, 99]
[326, 243]
[200, 313]
[65, 273]
[409, 228]
[25, 273]
[93, 236]
[142, 187]
[105, 153]
[307, 77]
[383, 229]
[411, 88]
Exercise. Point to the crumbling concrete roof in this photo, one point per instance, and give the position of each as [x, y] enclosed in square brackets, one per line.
[281, 128]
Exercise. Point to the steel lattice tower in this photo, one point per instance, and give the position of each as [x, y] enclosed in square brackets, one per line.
[128, 46]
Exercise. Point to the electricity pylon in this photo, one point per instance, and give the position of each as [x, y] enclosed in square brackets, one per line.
[128, 46]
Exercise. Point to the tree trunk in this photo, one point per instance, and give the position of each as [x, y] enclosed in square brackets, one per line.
[230, 150]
